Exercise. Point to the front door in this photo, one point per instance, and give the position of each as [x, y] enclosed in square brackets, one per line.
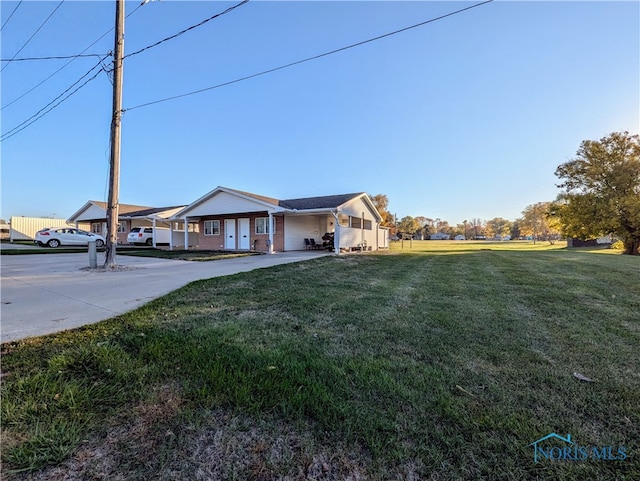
[243, 234]
[230, 234]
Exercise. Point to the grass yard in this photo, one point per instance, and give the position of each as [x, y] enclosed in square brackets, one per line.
[199, 255]
[435, 363]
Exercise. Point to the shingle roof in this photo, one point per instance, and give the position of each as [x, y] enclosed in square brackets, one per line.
[323, 202]
[122, 208]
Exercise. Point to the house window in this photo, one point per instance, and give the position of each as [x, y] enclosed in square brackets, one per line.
[356, 222]
[122, 227]
[211, 227]
[262, 225]
[96, 227]
[367, 224]
[343, 220]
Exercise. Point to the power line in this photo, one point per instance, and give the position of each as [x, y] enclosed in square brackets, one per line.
[43, 111]
[66, 64]
[34, 34]
[228, 10]
[10, 15]
[308, 59]
[61, 57]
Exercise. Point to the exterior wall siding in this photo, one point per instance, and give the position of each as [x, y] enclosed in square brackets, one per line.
[351, 237]
[300, 227]
[226, 204]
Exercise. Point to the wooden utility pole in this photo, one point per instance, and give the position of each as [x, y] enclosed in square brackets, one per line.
[114, 170]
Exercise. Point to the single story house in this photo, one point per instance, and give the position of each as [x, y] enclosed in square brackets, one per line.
[93, 217]
[439, 236]
[229, 219]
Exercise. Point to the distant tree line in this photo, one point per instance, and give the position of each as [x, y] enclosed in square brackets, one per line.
[600, 196]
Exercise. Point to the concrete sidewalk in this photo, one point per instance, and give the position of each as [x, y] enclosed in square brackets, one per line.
[43, 294]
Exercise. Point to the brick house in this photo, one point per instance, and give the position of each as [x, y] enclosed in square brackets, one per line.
[229, 219]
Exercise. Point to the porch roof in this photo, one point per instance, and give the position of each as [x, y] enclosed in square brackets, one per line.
[97, 210]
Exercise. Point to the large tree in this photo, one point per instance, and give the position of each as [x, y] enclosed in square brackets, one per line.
[541, 222]
[602, 190]
[408, 226]
[381, 202]
[498, 227]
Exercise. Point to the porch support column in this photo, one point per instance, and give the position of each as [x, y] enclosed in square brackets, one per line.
[186, 234]
[336, 234]
[153, 223]
[170, 235]
[271, 229]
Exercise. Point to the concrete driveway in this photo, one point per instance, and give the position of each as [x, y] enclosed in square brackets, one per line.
[43, 294]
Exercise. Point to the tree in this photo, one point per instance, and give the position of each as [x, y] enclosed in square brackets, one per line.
[602, 190]
[498, 227]
[424, 223]
[477, 226]
[408, 226]
[540, 221]
[381, 202]
[515, 229]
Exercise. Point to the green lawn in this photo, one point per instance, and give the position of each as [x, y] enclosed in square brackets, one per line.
[434, 362]
[198, 255]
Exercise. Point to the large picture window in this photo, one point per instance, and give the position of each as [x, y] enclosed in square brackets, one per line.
[262, 225]
[211, 227]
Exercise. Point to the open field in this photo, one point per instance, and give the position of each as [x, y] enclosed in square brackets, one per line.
[435, 363]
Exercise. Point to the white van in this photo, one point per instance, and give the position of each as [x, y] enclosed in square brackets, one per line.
[144, 236]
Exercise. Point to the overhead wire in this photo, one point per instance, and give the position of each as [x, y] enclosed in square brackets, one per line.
[10, 15]
[52, 105]
[308, 59]
[228, 10]
[35, 117]
[60, 57]
[66, 64]
[34, 34]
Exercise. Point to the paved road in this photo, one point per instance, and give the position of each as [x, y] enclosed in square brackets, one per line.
[43, 294]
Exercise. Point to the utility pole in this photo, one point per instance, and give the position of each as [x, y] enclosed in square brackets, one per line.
[114, 169]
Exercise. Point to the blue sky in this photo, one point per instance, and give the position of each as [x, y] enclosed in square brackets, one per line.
[466, 117]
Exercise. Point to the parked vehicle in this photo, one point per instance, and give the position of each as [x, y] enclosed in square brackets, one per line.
[66, 236]
[144, 236]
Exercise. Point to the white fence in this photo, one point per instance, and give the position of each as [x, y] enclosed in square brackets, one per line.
[25, 228]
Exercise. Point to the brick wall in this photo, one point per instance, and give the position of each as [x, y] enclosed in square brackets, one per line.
[257, 241]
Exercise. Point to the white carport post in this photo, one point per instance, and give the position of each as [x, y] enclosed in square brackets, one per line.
[170, 235]
[186, 234]
[271, 229]
[153, 223]
[336, 234]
